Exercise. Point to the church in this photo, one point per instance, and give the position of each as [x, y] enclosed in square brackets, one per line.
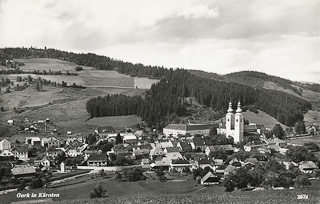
[234, 125]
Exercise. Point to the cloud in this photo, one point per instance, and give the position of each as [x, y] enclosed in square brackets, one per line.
[277, 37]
[200, 11]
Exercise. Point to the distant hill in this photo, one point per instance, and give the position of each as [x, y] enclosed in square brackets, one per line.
[165, 98]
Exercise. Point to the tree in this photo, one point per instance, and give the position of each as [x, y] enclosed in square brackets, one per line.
[37, 183]
[98, 192]
[119, 139]
[91, 139]
[2, 109]
[303, 181]
[286, 180]
[160, 174]
[278, 131]
[300, 127]
[229, 182]
[256, 176]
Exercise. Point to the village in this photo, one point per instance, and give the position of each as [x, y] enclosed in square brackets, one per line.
[212, 153]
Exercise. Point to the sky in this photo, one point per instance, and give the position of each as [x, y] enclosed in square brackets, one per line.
[277, 37]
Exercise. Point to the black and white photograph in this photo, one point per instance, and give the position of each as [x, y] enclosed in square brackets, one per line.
[159, 101]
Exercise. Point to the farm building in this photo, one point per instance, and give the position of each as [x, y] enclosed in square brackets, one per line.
[97, 160]
[210, 179]
[183, 129]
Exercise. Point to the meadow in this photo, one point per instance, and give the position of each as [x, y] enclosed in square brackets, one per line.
[117, 122]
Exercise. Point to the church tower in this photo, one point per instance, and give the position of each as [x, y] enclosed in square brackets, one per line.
[239, 125]
[229, 119]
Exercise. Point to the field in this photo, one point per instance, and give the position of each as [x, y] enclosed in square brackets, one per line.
[66, 107]
[315, 139]
[262, 118]
[118, 122]
[171, 192]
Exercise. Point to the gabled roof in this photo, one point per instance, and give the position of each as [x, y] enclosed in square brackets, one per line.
[21, 170]
[253, 161]
[156, 151]
[198, 141]
[166, 144]
[308, 165]
[209, 175]
[185, 146]
[187, 127]
[204, 161]
[180, 161]
[145, 146]
[221, 147]
[230, 169]
[172, 149]
[22, 149]
[254, 143]
[174, 155]
[95, 157]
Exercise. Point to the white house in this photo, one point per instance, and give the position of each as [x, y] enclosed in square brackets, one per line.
[5, 145]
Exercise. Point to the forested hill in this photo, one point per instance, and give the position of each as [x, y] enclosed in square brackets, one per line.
[165, 99]
[253, 79]
[256, 79]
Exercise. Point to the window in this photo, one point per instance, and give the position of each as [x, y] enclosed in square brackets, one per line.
[237, 120]
[228, 120]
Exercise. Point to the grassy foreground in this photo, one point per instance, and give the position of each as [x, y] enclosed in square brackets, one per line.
[271, 196]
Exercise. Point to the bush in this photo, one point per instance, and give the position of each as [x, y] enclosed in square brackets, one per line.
[98, 192]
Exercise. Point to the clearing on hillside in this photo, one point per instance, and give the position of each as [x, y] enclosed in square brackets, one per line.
[117, 122]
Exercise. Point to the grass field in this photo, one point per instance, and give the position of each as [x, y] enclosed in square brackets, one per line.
[315, 139]
[262, 118]
[169, 192]
[118, 122]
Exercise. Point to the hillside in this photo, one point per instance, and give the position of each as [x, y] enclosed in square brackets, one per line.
[165, 97]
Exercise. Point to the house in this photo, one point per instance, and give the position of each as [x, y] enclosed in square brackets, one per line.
[50, 142]
[180, 165]
[165, 144]
[21, 152]
[5, 145]
[203, 163]
[156, 152]
[163, 163]
[171, 149]
[307, 167]
[183, 129]
[184, 147]
[130, 139]
[141, 153]
[53, 152]
[10, 122]
[252, 161]
[97, 160]
[217, 163]
[33, 141]
[253, 145]
[235, 162]
[42, 161]
[276, 141]
[174, 155]
[215, 148]
[23, 171]
[198, 143]
[122, 149]
[210, 179]
[145, 163]
[230, 169]
[194, 156]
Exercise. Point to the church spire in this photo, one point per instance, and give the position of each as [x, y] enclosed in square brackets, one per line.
[230, 110]
[239, 110]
